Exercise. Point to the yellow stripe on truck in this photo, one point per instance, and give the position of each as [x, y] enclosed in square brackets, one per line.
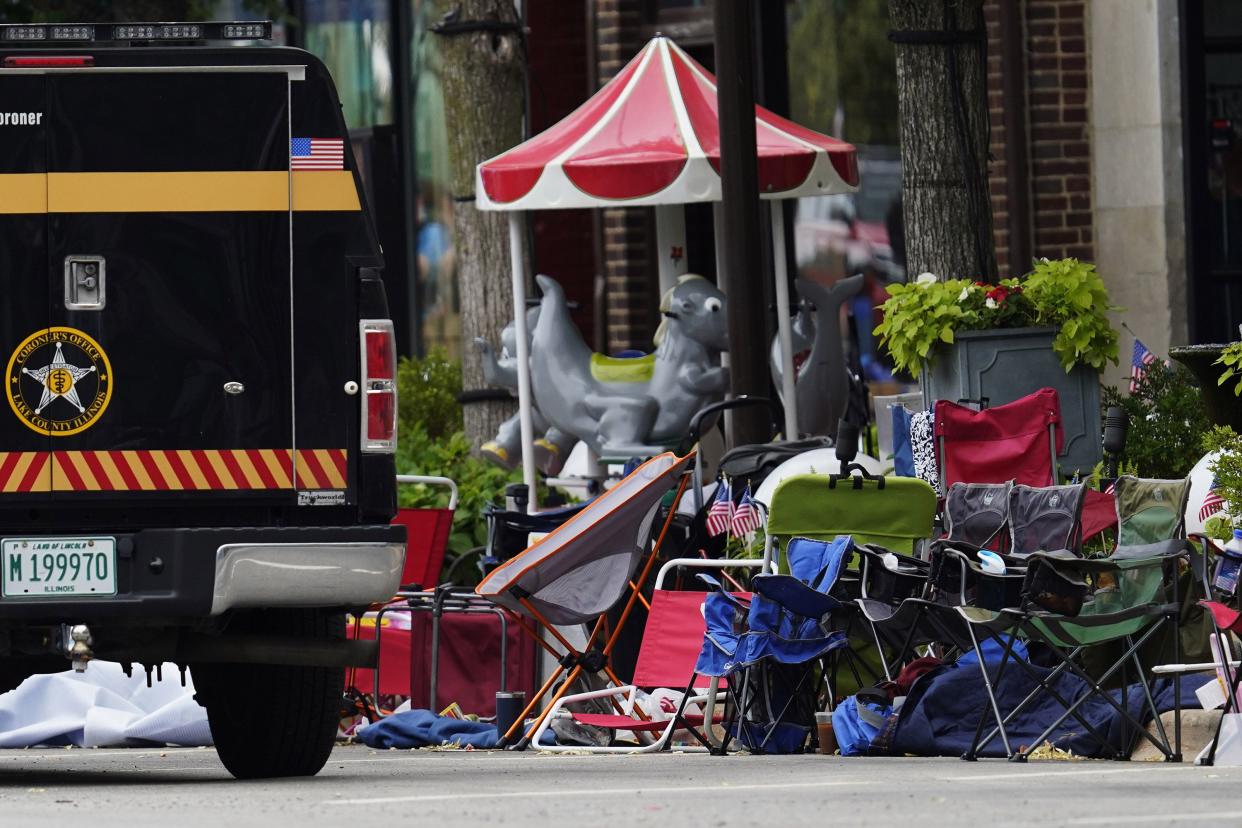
[324, 190]
[23, 193]
[178, 192]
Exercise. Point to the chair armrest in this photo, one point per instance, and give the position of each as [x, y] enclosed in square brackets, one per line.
[707, 563]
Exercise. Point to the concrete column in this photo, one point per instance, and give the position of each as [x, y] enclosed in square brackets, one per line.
[1137, 169]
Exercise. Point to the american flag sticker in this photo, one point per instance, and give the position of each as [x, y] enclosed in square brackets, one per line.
[317, 154]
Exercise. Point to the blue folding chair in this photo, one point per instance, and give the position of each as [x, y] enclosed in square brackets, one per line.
[772, 649]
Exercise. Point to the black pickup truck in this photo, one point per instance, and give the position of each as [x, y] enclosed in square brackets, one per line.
[196, 455]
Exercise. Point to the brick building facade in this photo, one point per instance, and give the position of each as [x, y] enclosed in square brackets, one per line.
[1051, 158]
[1098, 127]
[629, 268]
[1052, 90]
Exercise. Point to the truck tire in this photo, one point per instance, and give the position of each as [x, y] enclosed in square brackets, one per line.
[274, 720]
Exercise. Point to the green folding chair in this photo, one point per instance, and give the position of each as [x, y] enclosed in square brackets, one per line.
[1149, 510]
[895, 513]
[1073, 605]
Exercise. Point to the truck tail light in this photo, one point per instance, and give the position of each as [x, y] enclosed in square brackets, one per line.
[379, 386]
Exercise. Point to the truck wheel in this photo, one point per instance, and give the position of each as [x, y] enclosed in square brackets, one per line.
[272, 720]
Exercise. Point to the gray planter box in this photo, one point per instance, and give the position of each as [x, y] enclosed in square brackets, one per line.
[1004, 365]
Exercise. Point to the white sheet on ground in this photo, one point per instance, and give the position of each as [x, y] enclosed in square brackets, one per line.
[103, 708]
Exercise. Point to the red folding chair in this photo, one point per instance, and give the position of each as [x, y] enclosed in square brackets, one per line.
[1018, 442]
[427, 533]
[670, 647]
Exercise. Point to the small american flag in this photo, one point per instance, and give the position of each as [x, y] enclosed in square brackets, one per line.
[720, 515]
[317, 154]
[1212, 503]
[1139, 361]
[746, 518]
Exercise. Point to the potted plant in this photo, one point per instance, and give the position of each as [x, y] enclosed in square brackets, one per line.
[1214, 366]
[972, 340]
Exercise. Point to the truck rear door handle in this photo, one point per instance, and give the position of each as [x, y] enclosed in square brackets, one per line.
[84, 282]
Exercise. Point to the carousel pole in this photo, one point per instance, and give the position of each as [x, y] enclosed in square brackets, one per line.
[517, 257]
[784, 324]
[670, 221]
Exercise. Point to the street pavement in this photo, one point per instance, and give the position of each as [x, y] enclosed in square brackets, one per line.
[188, 788]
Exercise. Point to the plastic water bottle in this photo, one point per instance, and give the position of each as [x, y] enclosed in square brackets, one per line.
[1230, 564]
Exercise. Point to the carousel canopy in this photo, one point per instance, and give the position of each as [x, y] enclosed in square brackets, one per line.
[652, 136]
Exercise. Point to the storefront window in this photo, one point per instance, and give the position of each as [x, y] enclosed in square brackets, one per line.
[353, 38]
[843, 82]
[439, 303]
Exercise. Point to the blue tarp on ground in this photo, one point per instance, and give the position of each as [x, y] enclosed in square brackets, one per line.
[422, 728]
[940, 714]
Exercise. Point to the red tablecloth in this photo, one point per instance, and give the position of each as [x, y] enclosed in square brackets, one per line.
[469, 661]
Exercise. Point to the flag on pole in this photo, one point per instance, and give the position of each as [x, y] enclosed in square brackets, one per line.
[1139, 362]
[720, 515]
[746, 518]
[1212, 503]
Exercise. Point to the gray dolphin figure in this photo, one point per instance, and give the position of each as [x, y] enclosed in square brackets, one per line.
[551, 446]
[822, 380]
[631, 407]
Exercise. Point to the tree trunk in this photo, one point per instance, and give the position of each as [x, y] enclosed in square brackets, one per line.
[942, 105]
[482, 73]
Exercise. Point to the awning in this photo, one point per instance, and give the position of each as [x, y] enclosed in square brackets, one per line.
[651, 136]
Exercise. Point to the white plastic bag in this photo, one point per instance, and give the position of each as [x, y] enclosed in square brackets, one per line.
[662, 703]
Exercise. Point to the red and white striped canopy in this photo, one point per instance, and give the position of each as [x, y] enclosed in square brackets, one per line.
[651, 136]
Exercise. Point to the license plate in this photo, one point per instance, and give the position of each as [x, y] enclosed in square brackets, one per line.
[58, 567]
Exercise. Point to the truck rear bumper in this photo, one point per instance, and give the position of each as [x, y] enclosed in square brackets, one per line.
[170, 574]
[305, 574]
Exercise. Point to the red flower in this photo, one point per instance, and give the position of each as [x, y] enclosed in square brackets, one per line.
[998, 294]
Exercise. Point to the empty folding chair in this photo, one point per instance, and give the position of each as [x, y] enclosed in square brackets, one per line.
[1018, 441]
[892, 513]
[1039, 518]
[581, 570]
[771, 648]
[1069, 604]
[672, 639]
[908, 601]
[1150, 510]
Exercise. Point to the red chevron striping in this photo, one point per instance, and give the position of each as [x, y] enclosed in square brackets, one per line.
[260, 466]
[168, 469]
[6, 468]
[230, 463]
[97, 469]
[153, 470]
[205, 467]
[32, 473]
[127, 474]
[316, 470]
[64, 466]
[183, 476]
[338, 458]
